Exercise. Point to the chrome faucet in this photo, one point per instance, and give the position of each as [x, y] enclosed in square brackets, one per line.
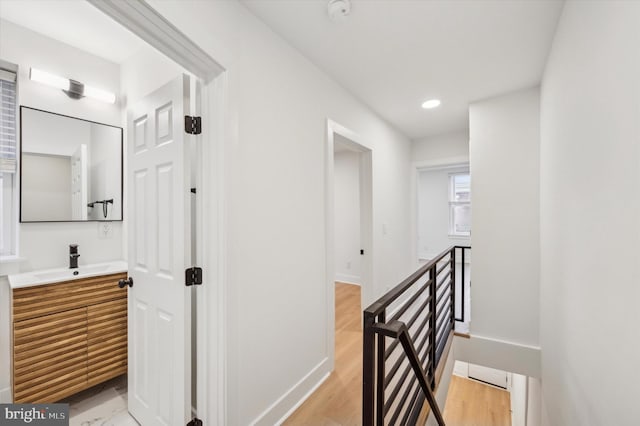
[73, 256]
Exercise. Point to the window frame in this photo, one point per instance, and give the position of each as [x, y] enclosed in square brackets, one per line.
[453, 204]
[9, 243]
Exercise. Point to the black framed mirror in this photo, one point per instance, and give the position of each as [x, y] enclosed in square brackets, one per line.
[70, 168]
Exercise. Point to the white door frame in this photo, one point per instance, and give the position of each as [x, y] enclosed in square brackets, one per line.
[145, 22]
[366, 225]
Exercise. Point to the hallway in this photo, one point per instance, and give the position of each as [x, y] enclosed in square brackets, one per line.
[338, 400]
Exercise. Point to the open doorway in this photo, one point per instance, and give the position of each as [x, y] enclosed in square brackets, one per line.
[349, 231]
[346, 191]
[348, 260]
[444, 209]
[348, 214]
[115, 59]
[443, 219]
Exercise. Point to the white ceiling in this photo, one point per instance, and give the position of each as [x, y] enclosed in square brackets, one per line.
[76, 23]
[395, 54]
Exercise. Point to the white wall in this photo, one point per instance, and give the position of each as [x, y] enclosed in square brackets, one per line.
[504, 152]
[461, 368]
[590, 205]
[348, 265]
[5, 341]
[45, 245]
[443, 387]
[46, 140]
[534, 400]
[46, 189]
[30, 49]
[278, 103]
[442, 149]
[518, 397]
[433, 212]
[45, 133]
[105, 171]
[144, 72]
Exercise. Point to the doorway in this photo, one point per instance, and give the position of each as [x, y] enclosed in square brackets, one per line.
[349, 231]
[348, 215]
[208, 106]
[443, 209]
[346, 191]
[131, 77]
[443, 219]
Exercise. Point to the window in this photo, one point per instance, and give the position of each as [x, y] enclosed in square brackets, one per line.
[8, 159]
[460, 205]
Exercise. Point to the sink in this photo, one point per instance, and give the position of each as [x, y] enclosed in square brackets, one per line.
[81, 271]
[65, 274]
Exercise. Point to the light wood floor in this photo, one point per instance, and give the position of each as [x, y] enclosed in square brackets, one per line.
[339, 400]
[471, 403]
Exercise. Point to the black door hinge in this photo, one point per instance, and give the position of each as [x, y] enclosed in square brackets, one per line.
[193, 276]
[195, 422]
[192, 125]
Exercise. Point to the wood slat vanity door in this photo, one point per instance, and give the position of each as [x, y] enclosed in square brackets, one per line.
[50, 356]
[67, 337]
[107, 340]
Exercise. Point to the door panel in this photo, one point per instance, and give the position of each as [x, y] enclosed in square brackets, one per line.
[488, 375]
[159, 252]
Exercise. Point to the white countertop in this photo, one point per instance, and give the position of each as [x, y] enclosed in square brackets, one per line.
[48, 276]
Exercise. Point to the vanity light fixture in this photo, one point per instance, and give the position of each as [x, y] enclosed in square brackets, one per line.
[74, 89]
[431, 103]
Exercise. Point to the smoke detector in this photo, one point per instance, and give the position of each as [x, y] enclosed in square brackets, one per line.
[339, 9]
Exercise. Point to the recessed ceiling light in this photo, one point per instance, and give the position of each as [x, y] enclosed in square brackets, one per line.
[431, 103]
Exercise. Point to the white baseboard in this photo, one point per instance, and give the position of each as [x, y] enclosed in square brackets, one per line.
[348, 279]
[5, 396]
[280, 410]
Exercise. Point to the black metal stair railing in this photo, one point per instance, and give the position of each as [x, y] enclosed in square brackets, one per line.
[401, 353]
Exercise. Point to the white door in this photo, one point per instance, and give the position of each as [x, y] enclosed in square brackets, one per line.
[488, 375]
[79, 183]
[159, 252]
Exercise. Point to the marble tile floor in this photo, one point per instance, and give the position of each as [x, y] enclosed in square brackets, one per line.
[102, 405]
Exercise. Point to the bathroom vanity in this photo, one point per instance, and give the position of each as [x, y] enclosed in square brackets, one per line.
[69, 332]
